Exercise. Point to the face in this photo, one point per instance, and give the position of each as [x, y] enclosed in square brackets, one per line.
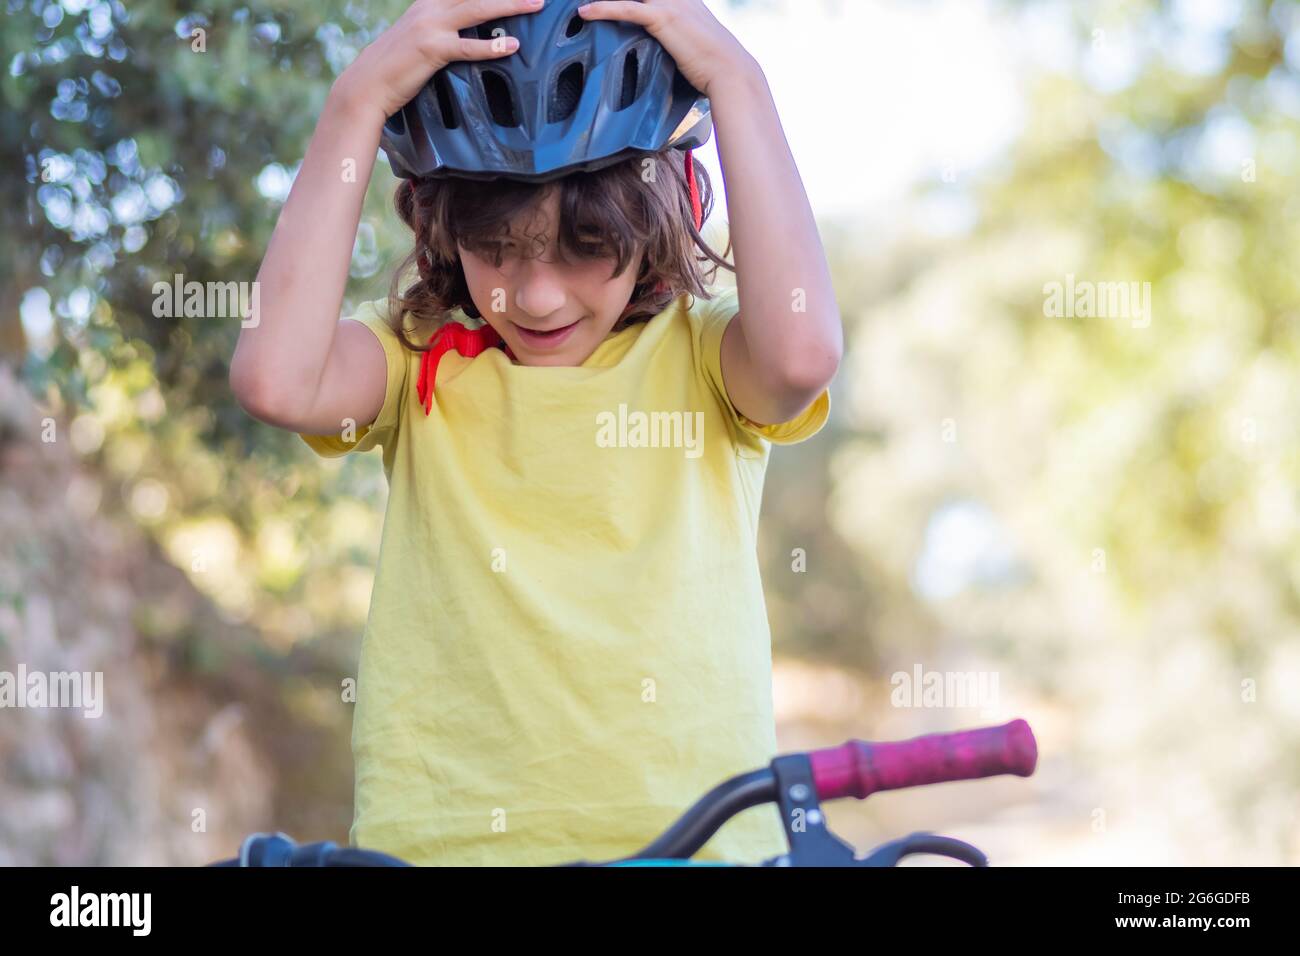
[549, 311]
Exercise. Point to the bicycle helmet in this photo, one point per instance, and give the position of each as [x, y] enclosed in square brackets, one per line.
[577, 95]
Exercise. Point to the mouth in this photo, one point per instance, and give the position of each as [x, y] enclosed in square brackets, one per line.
[549, 339]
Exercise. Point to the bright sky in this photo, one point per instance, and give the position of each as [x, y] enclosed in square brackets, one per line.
[875, 95]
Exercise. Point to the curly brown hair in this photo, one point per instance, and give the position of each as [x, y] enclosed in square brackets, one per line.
[624, 210]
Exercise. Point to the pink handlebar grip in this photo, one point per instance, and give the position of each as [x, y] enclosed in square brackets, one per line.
[859, 768]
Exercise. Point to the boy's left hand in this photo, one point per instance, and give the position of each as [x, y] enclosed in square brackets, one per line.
[702, 47]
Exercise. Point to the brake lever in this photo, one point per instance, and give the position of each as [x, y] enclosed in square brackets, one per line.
[811, 841]
[888, 854]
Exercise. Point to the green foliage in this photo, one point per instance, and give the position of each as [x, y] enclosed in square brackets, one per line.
[156, 140]
[142, 132]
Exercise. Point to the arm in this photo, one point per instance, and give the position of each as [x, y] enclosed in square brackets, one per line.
[775, 359]
[784, 347]
[296, 365]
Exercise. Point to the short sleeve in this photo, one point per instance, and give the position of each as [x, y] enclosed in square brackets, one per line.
[383, 430]
[711, 318]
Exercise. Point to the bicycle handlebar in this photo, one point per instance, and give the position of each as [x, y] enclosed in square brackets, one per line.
[855, 769]
[859, 768]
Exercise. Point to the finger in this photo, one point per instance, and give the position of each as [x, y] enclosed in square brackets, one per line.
[466, 49]
[630, 11]
[470, 13]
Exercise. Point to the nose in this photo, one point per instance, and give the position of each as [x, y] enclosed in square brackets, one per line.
[539, 291]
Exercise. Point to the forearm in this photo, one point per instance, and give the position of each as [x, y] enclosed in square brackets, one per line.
[791, 321]
[282, 350]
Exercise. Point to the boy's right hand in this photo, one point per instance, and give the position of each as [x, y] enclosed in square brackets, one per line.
[389, 72]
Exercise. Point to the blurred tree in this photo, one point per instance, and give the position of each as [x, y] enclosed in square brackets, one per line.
[152, 140]
[155, 141]
[1100, 504]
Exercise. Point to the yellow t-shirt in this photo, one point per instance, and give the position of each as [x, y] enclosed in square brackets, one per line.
[567, 642]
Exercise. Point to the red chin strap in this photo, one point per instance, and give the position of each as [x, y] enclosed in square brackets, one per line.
[453, 335]
[697, 211]
[472, 342]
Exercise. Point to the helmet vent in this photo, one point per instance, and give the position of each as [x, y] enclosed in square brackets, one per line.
[682, 88]
[443, 94]
[497, 91]
[628, 94]
[574, 26]
[568, 90]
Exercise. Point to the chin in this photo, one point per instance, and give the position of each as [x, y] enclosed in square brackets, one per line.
[570, 354]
